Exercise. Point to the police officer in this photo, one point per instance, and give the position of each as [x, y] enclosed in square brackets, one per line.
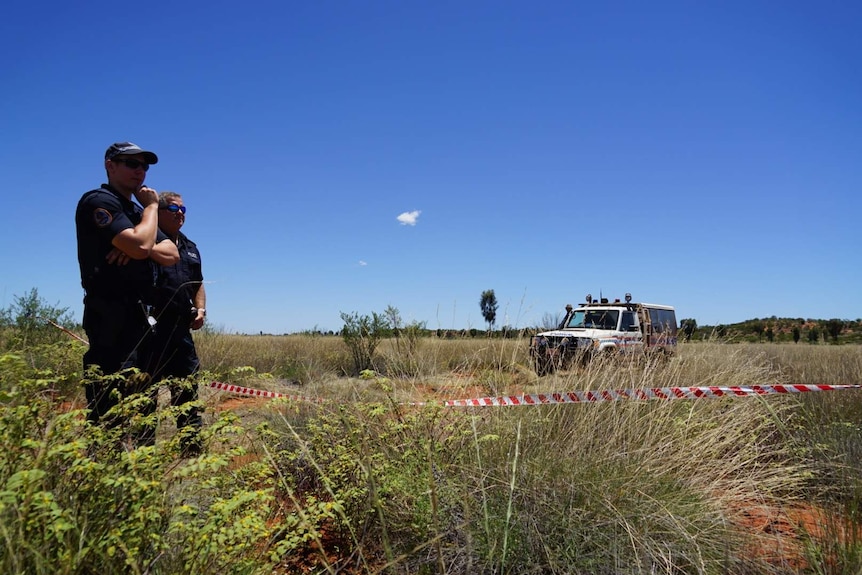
[118, 243]
[181, 301]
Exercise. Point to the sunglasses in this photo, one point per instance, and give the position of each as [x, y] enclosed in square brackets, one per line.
[132, 164]
[173, 208]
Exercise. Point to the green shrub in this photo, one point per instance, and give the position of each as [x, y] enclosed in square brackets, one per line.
[362, 334]
[74, 500]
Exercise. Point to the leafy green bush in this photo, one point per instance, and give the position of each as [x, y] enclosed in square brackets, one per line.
[74, 500]
[362, 334]
[31, 321]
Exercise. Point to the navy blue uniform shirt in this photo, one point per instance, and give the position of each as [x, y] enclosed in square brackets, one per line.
[178, 284]
[102, 214]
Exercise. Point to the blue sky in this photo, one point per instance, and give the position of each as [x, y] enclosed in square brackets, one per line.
[341, 156]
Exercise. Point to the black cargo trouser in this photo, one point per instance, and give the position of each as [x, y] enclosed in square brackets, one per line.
[118, 333]
[172, 354]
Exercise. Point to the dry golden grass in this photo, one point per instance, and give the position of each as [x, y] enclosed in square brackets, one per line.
[501, 367]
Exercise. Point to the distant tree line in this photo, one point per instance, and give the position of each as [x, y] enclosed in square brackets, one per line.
[31, 319]
[781, 330]
[767, 330]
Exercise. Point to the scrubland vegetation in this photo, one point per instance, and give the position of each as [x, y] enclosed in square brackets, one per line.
[380, 478]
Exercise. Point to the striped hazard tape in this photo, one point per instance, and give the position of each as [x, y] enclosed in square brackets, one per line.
[697, 392]
[238, 389]
[642, 394]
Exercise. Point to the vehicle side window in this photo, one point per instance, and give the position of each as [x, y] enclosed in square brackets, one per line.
[663, 321]
[655, 320]
[629, 322]
[670, 320]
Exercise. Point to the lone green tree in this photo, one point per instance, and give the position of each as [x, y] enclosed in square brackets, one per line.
[834, 327]
[362, 334]
[758, 328]
[488, 305]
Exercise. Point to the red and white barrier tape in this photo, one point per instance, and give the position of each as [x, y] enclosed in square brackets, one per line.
[642, 394]
[260, 392]
[64, 330]
[700, 392]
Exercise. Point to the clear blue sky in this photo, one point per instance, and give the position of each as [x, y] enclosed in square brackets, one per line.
[706, 155]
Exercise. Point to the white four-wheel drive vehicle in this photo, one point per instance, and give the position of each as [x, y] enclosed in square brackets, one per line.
[604, 327]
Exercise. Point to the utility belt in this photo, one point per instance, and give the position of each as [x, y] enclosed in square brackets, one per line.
[179, 315]
[174, 304]
[120, 298]
[117, 290]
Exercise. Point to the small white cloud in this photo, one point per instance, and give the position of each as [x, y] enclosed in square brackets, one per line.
[363, 263]
[409, 218]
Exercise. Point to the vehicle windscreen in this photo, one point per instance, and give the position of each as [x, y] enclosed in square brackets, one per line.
[595, 318]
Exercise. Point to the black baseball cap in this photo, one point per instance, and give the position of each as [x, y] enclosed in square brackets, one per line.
[129, 149]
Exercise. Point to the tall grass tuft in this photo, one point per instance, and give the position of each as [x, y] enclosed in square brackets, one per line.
[625, 487]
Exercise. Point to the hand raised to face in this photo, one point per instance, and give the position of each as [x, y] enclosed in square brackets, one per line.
[147, 196]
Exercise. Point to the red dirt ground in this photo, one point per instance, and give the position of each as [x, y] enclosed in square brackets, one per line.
[778, 532]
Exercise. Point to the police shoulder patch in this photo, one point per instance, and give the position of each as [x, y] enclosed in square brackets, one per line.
[102, 217]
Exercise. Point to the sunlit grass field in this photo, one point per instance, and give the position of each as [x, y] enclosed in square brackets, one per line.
[378, 477]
